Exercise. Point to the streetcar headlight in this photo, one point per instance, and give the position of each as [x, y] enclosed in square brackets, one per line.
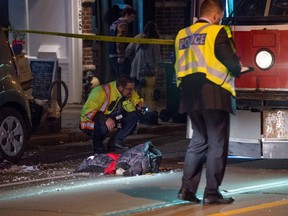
[264, 59]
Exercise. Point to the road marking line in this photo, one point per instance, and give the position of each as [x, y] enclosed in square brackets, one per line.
[258, 187]
[252, 208]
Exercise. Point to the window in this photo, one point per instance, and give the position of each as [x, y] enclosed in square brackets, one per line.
[278, 8]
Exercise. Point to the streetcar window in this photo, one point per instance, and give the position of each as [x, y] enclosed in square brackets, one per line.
[248, 8]
[278, 8]
[256, 12]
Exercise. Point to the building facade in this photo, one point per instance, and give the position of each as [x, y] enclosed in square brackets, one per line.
[77, 56]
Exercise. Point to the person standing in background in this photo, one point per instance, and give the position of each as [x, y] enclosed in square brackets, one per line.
[120, 28]
[206, 64]
[144, 53]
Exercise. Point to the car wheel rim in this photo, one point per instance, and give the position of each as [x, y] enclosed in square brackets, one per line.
[12, 136]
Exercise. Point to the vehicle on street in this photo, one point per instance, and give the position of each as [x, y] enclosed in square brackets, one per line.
[15, 116]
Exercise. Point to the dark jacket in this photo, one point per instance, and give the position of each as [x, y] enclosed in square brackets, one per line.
[101, 163]
[140, 159]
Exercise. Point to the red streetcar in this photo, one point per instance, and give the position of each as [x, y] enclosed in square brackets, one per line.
[260, 31]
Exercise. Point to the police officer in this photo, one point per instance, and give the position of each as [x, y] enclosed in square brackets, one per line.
[107, 105]
[206, 65]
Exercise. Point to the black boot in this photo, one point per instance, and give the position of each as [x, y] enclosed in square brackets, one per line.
[185, 194]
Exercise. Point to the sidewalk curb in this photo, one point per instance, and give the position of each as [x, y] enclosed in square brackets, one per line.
[69, 136]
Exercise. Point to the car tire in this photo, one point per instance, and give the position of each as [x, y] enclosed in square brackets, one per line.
[13, 134]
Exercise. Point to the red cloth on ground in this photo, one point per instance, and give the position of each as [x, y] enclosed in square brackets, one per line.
[111, 168]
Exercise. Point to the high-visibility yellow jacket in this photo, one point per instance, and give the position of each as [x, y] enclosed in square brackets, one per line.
[100, 99]
[194, 52]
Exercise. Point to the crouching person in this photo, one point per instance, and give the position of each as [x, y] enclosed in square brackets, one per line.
[108, 106]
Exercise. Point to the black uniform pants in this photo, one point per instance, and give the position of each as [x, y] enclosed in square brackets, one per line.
[209, 145]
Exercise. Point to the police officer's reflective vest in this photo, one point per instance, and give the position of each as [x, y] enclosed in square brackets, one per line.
[194, 52]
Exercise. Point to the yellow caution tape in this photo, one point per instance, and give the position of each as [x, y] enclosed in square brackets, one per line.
[100, 38]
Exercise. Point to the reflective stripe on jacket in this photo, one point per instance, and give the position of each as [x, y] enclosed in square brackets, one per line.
[195, 52]
[102, 99]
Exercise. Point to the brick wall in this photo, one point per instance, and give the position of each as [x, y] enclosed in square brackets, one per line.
[88, 63]
[87, 7]
[170, 17]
